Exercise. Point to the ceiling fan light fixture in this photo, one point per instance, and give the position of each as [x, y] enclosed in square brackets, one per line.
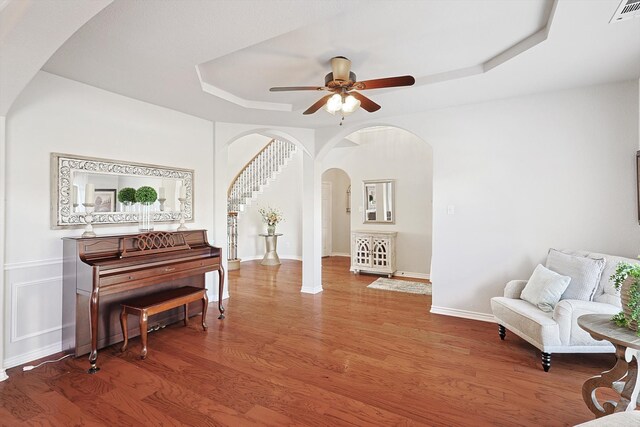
[334, 104]
[350, 104]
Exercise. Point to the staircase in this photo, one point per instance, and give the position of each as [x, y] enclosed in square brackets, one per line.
[249, 183]
[257, 173]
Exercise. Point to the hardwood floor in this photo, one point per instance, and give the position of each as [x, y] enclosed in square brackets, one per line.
[347, 356]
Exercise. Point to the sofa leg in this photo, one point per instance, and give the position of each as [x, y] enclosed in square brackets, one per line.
[502, 332]
[546, 361]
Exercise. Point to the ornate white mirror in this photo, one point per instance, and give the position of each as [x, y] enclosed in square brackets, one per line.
[77, 179]
[378, 201]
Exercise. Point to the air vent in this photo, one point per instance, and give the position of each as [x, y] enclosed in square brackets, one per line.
[628, 9]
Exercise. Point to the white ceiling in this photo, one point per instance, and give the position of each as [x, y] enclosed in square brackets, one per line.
[150, 51]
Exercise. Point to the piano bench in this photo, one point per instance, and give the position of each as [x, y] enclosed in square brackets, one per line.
[151, 304]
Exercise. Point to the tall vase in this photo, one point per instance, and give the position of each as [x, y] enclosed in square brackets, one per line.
[145, 217]
[271, 230]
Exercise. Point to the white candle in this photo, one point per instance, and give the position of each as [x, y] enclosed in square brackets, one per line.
[75, 195]
[161, 193]
[89, 194]
[183, 192]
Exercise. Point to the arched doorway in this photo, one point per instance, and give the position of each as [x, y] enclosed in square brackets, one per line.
[386, 152]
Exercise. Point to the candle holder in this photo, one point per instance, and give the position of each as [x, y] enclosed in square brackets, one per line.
[182, 200]
[162, 200]
[88, 218]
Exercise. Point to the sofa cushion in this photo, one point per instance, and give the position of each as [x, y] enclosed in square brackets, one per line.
[544, 288]
[585, 273]
[527, 321]
[606, 292]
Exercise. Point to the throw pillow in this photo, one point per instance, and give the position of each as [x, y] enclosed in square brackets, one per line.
[544, 288]
[584, 272]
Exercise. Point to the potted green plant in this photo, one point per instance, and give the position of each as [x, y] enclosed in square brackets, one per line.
[146, 196]
[271, 217]
[127, 196]
[626, 279]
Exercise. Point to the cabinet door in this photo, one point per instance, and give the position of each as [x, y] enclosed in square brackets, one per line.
[362, 251]
[380, 252]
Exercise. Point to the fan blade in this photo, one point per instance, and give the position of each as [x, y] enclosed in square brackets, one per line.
[386, 82]
[319, 103]
[283, 89]
[365, 102]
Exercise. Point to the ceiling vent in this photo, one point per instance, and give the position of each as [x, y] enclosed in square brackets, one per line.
[628, 9]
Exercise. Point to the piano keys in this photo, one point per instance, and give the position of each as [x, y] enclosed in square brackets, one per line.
[101, 272]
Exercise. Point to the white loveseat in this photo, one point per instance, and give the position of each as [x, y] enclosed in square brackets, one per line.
[557, 331]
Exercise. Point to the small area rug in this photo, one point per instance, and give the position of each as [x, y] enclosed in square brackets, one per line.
[401, 286]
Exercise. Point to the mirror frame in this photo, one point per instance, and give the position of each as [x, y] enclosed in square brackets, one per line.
[64, 165]
[392, 182]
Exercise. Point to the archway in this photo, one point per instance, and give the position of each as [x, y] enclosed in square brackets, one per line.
[225, 135]
[388, 152]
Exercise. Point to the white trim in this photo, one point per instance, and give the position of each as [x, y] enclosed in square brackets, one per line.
[257, 257]
[413, 275]
[314, 290]
[465, 314]
[3, 375]
[340, 254]
[246, 103]
[14, 309]
[33, 355]
[32, 264]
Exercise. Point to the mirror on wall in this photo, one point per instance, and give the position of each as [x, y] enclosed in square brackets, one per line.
[378, 201]
[77, 179]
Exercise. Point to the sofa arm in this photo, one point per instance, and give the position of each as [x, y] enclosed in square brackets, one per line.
[514, 288]
[566, 313]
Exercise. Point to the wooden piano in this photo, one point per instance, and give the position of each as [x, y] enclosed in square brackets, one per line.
[101, 272]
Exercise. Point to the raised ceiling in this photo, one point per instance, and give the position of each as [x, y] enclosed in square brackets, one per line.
[158, 51]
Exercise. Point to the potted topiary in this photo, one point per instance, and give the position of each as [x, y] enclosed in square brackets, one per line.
[127, 196]
[626, 279]
[146, 196]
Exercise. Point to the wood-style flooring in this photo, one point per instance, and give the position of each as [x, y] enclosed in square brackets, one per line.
[348, 356]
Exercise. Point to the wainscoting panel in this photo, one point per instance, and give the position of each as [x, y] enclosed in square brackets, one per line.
[34, 309]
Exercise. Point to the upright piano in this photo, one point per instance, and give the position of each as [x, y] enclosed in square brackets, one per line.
[101, 272]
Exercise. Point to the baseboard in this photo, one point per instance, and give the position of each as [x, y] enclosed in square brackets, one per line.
[257, 257]
[311, 290]
[33, 355]
[465, 314]
[425, 276]
[340, 254]
[3, 375]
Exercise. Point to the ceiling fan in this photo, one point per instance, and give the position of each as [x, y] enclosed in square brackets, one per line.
[342, 84]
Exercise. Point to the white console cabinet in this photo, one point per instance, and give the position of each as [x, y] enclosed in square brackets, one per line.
[373, 252]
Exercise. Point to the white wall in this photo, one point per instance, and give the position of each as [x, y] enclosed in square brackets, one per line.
[526, 174]
[54, 114]
[340, 219]
[393, 154]
[283, 193]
